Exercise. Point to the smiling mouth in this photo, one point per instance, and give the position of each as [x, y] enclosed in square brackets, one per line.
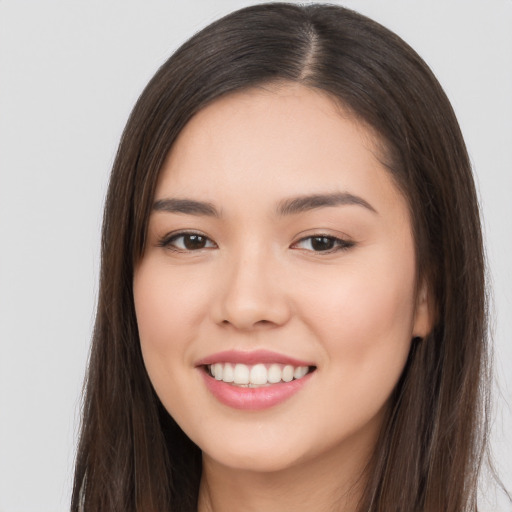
[257, 375]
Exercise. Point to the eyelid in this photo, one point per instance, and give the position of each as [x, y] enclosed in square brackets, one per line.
[166, 240]
[341, 244]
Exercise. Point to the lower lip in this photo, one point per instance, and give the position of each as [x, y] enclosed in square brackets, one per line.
[253, 399]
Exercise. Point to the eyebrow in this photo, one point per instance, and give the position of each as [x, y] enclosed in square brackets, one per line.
[186, 206]
[311, 202]
[291, 206]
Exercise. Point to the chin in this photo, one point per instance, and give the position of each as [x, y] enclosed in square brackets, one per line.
[256, 459]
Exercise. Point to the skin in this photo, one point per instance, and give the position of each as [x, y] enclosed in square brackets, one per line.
[259, 283]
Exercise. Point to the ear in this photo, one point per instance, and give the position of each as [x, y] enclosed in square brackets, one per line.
[424, 312]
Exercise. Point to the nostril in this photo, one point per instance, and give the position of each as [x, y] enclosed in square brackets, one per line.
[258, 323]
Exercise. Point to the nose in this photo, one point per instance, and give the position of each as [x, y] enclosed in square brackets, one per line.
[252, 294]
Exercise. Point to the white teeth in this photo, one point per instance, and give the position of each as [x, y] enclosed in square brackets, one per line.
[298, 372]
[256, 375]
[217, 371]
[274, 374]
[288, 373]
[241, 375]
[228, 374]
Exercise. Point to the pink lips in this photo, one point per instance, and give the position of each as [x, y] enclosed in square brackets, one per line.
[252, 399]
[254, 357]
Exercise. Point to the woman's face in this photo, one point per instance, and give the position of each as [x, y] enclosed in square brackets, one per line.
[278, 248]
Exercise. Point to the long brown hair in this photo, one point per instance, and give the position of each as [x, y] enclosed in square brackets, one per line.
[132, 455]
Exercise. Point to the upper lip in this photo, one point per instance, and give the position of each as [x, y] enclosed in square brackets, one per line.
[250, 358]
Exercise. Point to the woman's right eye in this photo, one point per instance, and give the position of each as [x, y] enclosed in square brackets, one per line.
[187, 242]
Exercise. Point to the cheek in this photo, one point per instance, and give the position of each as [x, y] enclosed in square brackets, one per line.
[168, 305]
[154, 310]
[366, 301]
[167, 323]
[363, 318]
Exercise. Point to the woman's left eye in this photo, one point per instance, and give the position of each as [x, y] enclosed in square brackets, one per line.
[322, 243]
[187, 242]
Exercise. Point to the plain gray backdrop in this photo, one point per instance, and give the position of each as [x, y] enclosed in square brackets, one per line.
[70, 72]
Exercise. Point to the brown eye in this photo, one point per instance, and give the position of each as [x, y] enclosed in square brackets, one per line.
[323, 243]
[194, 242]
[187, 242]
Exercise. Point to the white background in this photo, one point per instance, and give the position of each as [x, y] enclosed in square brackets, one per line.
[70, 71]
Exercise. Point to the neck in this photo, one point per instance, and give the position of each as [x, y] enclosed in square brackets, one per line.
[325, 484]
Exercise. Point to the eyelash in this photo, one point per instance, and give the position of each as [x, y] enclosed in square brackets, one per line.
[338, 244]
[167, 241]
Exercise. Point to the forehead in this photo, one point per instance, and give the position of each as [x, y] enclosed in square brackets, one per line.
[274, 140]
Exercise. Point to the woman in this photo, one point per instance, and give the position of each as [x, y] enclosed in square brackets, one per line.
[292, 301]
